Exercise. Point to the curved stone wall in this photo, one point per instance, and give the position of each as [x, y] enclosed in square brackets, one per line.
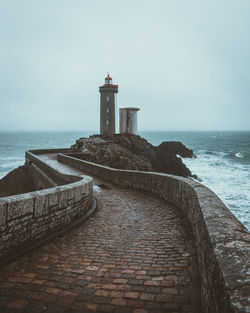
[45, 176]
[26, 219]
[222, 242]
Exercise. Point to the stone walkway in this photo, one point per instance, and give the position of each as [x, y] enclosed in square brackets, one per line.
[134, 255]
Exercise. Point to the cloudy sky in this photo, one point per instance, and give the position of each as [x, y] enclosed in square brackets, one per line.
[186, 64]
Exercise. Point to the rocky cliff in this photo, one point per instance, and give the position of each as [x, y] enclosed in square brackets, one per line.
[127, 151]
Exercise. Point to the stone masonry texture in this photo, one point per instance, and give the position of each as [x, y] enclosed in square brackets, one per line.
[27, 218]
[134, 255]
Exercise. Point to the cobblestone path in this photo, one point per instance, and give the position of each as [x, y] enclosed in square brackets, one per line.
[134, 255]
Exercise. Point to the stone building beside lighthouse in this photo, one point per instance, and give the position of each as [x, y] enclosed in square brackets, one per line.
[128, 120]
[108, 106]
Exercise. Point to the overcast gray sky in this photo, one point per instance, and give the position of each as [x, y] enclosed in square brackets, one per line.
[185, 63]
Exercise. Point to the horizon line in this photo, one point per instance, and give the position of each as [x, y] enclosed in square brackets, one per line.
[142, 130]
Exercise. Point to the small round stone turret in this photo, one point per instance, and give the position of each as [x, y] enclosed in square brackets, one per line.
[128, 120]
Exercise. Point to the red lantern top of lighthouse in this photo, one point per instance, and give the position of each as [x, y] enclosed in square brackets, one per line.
[108, 81]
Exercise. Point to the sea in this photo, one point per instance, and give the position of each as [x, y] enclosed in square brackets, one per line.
[222, 160]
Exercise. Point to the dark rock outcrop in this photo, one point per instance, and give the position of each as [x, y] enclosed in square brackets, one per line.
[175, 147]
[16, 182]
[127, 151]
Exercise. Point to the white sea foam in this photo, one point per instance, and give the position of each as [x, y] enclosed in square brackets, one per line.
[11, 164]
[9, 158]
[229, 180]
[97, 188]
[7, 164]
[239, 155]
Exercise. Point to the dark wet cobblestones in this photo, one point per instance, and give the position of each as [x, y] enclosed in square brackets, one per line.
[132, 256]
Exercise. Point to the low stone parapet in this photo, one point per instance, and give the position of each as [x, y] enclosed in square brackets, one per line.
[222, 242]
[43, 175]
[26, 219]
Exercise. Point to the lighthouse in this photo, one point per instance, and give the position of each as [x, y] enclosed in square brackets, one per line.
[108, 106]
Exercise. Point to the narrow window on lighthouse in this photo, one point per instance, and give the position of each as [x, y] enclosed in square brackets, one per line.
[107, 122]
[107, 110]
[107, 98]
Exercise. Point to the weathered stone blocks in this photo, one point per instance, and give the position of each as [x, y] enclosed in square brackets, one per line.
[20, 205]
[41, 203]
[53, 198]
[28, 217]
[3, 215]
[63, 198]
[77, 194]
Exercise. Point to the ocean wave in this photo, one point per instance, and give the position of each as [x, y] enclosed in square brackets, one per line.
[220, 156]
[7, 164]
[3, 173]
[10, 162]
[10, 158]
[11, 165]
[226, 178]
[209, 152]
[239, 155]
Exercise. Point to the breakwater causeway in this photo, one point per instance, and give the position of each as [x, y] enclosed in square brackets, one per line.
[223, 158]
